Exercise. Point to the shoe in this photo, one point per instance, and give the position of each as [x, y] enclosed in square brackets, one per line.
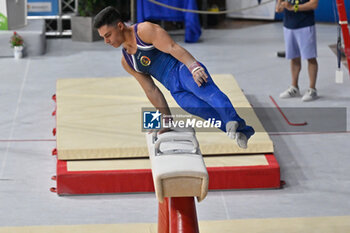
[311, 94]
[231, 128]
[241, 140]
[290, 92]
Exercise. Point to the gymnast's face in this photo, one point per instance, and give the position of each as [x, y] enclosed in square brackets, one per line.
[112, 35]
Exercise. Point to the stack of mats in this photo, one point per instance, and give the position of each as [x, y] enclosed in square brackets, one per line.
[101, 147]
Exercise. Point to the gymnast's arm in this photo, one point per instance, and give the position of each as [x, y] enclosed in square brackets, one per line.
[152, 92]
[154, 34]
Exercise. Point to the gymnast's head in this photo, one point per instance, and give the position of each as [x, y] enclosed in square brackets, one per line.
[110, 26]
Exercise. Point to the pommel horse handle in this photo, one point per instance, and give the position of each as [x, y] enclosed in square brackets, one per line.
[174, 138]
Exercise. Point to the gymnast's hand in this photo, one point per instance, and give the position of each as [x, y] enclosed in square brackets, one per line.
[198, 73]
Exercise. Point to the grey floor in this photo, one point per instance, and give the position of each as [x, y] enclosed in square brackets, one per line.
[315, 167]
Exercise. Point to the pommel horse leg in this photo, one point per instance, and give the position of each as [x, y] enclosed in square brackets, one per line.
[179, 175]
[177, 214]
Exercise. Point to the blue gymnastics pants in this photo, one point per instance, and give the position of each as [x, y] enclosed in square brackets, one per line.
[207, 101]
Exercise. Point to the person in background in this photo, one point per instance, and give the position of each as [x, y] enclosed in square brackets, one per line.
[300, 43]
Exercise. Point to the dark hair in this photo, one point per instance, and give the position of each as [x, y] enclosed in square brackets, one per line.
[108, 16]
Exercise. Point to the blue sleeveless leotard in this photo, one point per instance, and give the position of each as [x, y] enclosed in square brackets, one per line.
[207, 101]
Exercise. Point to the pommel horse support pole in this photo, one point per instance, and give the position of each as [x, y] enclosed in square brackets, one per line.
[179, 175]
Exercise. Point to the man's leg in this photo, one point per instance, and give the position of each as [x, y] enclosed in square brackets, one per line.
[306, 38]
[293, 90]
[295, 65]
[308, 46]
[293, 54]
[312, 69]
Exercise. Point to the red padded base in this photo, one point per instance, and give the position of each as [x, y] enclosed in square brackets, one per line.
[140, 180]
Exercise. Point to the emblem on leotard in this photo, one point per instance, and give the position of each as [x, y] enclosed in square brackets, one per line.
[145, 61]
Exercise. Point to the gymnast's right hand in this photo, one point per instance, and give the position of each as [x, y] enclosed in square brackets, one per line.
[198, 73]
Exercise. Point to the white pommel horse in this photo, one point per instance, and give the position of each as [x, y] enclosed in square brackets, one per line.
[179, 174]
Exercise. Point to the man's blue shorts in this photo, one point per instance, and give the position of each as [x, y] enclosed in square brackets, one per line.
[300, 42]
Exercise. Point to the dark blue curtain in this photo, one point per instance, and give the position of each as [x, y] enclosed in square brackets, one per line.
[150, 11]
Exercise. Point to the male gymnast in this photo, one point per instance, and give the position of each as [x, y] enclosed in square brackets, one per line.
[149, 51]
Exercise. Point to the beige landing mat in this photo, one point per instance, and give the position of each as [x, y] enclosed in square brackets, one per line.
[339, 224]
[145, 163]
[102, 118]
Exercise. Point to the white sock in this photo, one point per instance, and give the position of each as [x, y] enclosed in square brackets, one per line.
[231, 128]
[241, 140]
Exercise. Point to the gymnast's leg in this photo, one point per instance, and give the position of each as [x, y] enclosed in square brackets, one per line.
[192, 104]
[210, 94]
